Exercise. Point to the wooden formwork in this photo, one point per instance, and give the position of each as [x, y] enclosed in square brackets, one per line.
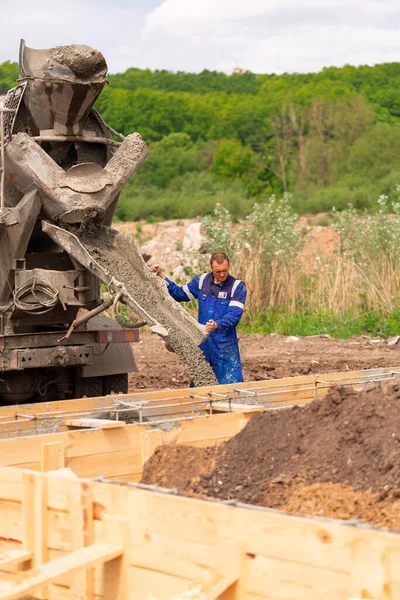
[20, 420]
[64, 538]
[120, 452]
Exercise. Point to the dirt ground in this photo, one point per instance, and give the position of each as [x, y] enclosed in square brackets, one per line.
[267, 357]
[337, 457]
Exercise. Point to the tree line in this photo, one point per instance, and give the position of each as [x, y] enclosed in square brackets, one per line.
[329, 138]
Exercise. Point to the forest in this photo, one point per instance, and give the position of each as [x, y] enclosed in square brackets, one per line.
[329, 139]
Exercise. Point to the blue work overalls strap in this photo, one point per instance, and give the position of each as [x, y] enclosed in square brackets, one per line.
[223, 303]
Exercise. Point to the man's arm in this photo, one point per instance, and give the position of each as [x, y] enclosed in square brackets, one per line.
[236, 305]
[183, 293]
[186, 292]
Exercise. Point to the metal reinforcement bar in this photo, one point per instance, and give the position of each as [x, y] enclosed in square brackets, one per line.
[66, 538]
[162, 405]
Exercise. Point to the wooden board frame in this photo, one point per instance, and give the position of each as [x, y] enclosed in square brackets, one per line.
[28, 419]
[62, 537]
[117, 453]
[118, 541]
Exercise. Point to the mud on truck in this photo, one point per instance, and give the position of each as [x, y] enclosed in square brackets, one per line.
[62, 169]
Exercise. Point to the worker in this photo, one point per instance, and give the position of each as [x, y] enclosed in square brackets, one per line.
[221, 300]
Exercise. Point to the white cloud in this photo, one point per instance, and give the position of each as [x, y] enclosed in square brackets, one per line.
[178, 16]
[191, 35]
[282, 35]
[46, 23]
[312, 50]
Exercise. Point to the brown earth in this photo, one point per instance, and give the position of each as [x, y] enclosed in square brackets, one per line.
[338, 501]
[290, 459]
[266, 357]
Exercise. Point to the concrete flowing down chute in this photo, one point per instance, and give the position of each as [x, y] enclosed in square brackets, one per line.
[114, 258]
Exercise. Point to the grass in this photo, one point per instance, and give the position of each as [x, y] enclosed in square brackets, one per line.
[337, 325]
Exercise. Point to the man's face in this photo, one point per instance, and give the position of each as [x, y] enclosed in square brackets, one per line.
[220, 272]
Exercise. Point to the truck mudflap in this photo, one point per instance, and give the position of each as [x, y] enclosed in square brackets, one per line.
[114, 258]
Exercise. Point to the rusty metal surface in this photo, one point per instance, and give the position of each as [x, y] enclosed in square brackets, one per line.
[48, 339]
[33, 358]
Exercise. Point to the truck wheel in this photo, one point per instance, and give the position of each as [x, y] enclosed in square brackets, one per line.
[115, 384]
[89, 387]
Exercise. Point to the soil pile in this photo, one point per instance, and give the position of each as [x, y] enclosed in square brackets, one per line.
[347, 438]
[338, 501]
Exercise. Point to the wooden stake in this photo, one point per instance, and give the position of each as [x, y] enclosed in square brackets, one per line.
[52, 456]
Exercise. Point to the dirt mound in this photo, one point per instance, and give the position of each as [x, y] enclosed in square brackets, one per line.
[347, 438]
[338, 501]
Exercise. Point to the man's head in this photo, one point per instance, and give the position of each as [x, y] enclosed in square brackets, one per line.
[220, 266]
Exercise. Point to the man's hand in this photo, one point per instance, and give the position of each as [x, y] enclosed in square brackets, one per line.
[211, 326]
[158, 270]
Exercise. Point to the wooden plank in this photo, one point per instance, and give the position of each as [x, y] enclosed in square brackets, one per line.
[52, 456]
[281, 580]
[115, 576]
[87, 423]
[14, 557]
[59, 532]
[6, 545]
[370, 570]
[66, 565]
[76, 443]
[11, 526]
[150, 440]
[175, 556]
[73, 491]
[11, 482]
[89, 537]
[209, 590]
[211, 427]
[225, 407]
[321, 543]
[124, 462]
[35, 523]
[150, 584]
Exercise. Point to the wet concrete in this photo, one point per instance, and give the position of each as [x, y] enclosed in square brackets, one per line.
[119, 256]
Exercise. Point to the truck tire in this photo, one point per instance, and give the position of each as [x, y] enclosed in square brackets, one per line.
[89, 387]
[115, 384]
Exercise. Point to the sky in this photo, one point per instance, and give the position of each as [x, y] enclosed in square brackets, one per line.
[263, 36]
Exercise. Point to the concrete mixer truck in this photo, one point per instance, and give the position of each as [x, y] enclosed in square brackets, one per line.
[61, 171]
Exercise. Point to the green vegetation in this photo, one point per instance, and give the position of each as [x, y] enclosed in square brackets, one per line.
[329, 138]
[306, 323]
[354, 291]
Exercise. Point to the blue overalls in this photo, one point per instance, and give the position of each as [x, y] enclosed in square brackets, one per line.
[223, 303]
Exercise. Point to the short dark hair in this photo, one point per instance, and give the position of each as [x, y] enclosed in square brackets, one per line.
[219, 258]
